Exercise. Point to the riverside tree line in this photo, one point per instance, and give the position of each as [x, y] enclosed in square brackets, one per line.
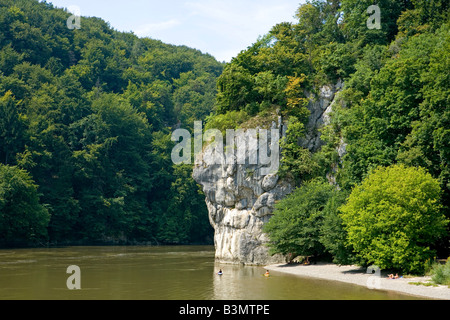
[86, 117]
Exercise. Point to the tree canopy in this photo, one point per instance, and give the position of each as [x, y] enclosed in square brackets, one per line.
[394, 218]
[22, 217]
[87, 115]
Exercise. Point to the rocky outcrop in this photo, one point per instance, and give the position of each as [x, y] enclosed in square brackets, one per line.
[320, 107]
[240, 199]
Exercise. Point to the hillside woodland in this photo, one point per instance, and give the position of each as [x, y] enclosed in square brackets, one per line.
[86, 117]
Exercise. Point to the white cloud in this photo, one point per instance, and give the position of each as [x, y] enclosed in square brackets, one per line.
[232, 26]
[150, 28]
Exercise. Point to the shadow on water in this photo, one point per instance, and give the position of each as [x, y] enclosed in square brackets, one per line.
[156, 273]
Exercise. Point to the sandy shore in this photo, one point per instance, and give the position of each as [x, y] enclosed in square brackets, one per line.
[359, 276]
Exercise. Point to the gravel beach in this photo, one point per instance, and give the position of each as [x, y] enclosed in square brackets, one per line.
[359, 276]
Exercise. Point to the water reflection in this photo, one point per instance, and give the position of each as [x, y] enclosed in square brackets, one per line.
[156, 273]
[238, 283]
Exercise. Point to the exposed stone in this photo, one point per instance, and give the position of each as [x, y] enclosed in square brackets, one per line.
[320, 108]
[269, 181]
[241, 200]
[265, 200]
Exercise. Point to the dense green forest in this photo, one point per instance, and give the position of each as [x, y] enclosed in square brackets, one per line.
[86, 117]
[393, 112]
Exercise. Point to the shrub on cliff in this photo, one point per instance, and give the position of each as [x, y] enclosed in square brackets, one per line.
[393, 218]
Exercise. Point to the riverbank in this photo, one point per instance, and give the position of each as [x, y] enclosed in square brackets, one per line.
[358, 276]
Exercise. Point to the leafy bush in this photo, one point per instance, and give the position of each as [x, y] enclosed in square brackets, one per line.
[441, 273]
[295, 227]
[332, 233]
[394, 216]
[229, 120]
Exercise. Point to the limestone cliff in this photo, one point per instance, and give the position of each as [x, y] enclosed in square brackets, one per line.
[241, 200]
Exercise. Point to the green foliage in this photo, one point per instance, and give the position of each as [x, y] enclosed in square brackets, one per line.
[332, 233]
[295, 227]
[355, 17]
[335, 60]
[235, 89]
[229, 120]
[398, 109]
[23, 219]
[394, 217]
[441, 273]
[194, 97]
[12, 128]
[307, 223]
[89, 113]
[186, 213]
[296, 162]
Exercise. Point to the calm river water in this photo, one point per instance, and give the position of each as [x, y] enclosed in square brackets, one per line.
[156, 273]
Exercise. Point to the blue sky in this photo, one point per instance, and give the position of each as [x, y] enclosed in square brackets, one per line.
[220, 28]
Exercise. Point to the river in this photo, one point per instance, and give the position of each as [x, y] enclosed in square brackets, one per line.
[156, 273]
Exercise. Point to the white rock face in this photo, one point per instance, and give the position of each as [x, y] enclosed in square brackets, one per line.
[320, 108]
[241, 200]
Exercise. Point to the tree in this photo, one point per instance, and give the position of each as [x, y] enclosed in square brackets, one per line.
[186, 218]
[88, 114]
[296, 104]
[8, 59]
[23, 220]
[355, 18]
[112, 172]
[394, 217]
[295, 227]
[12, 129]
[235, 89]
